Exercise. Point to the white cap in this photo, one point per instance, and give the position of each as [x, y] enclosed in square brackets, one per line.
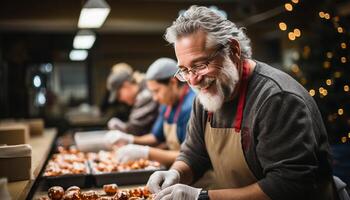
[162, 68]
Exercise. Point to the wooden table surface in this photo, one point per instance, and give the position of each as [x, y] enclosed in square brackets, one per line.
[41, 146]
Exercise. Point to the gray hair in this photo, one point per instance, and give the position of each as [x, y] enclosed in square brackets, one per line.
[219, 30]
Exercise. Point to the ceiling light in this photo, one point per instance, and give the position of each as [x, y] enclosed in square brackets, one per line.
[78, 55]
[93, 14]
[84, 39]
[37, 81]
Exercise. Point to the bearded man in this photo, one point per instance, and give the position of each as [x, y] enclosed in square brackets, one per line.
[255, 127]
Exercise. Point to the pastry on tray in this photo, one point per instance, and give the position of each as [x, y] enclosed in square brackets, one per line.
[111, 192]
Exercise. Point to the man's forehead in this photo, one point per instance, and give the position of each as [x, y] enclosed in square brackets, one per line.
[195, 40]
[190, 48]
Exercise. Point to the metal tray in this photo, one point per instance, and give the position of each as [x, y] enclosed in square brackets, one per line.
[67, 180]
[131, 177]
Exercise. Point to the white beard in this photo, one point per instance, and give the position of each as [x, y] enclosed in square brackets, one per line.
[225, 85]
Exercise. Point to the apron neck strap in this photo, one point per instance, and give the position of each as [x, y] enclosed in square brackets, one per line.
[184, 91]
[242, 96]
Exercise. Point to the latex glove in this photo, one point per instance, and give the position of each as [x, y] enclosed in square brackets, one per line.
[163, 179]
[132, 152]
[178, 191]
[118, 138]
[116, 123]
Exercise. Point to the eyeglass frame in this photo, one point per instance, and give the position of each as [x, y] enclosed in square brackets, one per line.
[198, 67]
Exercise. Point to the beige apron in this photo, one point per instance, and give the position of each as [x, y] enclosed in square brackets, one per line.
[224, 146]
[170, 129]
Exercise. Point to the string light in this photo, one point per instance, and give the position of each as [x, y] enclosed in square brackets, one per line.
[343, 59]
[321, 14]
[327, 16]
[295, 68]
[320, 90]
[282, 26]
[337, 74]
[326, 65]
[312, 92]
[325, 92]
[288, 7]
[343, 45]
[340, 30]
[329, 55]
[297, 32]
[343, 139]
[291, 36]
[303, 81]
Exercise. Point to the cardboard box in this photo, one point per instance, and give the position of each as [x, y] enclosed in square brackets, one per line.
[36, 125]
[15, 162]
[15, 169]
[12, 134]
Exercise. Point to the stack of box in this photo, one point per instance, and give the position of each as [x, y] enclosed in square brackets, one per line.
[15, 162]
[15, 152]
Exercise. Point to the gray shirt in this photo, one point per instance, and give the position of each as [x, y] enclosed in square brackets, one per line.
[143, 113]
[283, 136]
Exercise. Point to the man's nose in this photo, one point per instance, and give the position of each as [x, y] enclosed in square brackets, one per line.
[194, 79]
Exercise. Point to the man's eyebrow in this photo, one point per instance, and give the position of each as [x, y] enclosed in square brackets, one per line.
[192, 63]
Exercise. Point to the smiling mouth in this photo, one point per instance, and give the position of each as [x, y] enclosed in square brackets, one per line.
[206, 89]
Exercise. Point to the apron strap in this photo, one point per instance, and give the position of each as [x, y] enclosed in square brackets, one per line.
[241, 101]
[184, 91]
[242, 95]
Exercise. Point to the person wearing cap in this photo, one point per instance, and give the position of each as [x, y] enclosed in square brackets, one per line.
[125, 87]
[176, 100]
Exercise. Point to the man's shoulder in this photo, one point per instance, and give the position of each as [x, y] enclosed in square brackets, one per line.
[276, 79]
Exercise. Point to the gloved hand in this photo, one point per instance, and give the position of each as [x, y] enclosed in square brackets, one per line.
[163, 179]
[118, 138]
[132, 152]
[178, 191]
[116, 123]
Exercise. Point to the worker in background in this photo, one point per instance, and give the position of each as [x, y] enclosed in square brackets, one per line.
[176, 100]
[129, 87]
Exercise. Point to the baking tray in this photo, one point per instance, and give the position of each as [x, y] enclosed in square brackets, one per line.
[67, 180]
[131, 177]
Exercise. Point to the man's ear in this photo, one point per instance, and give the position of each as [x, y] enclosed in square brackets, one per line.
[235, 50]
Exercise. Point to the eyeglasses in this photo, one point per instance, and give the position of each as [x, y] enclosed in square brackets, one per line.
[183, 74]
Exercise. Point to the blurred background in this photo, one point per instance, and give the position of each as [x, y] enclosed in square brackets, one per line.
[43, 74]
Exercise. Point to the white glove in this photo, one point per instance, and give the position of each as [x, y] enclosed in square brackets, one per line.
[163, 179]
[116, 123]
[132, 152]
[178, 191]
[118, 138]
